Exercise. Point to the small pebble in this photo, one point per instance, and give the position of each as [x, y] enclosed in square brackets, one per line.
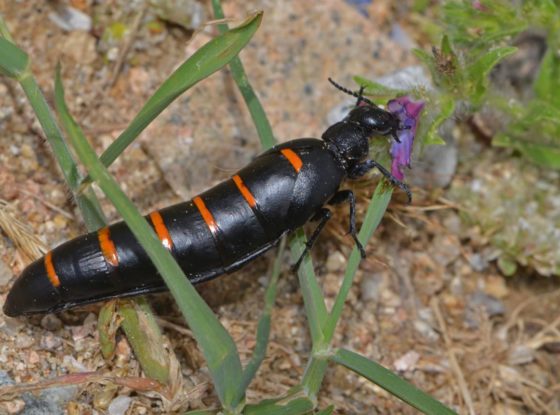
[23, 341]
[186, 13]
[425, 330]
[50, 342]
[491, 304]
[15, 150]
[69, 18]
[407, 362]
[447, 249]
[509, 375]
[119, 405]
[33, 357]
[51, 322]
[27, 152]
[103, 398]
[371, 287]
[335, 262]
[520, 355]
[11, 326]
[495, 285]
[15, 406]
[478, 262]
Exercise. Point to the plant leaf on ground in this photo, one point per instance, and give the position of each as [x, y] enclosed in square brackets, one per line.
[392, 383]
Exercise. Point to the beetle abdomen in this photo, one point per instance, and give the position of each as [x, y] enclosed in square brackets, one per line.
[214, 233]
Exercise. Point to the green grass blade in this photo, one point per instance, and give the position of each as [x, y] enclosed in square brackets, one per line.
[13, 61]
[204, 62]
[314, 375]
[216, 344]
[263, 329]
[238, 73]
[390, 382]
[327, 411]
[313, 299]
[376, 210]
[294, 403]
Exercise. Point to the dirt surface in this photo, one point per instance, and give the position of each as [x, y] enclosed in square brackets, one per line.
[428, 302]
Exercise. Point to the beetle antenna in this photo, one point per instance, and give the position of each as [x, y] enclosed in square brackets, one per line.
[358, 95]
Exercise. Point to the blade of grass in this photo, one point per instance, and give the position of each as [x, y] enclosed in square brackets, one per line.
[263, 329]
[216, 343]
[390, 382]
[294, 403]
[204, 62]
[14, 62]
[313, 299]
[314, 374]
[376, 210]
[238, 73]
[327, 411]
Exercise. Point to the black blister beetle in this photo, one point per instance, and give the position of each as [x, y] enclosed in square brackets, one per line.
[220, 230]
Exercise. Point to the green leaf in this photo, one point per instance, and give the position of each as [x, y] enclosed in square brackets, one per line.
[507, 265]
[446, 48]
[547, 83]
[144, 335]
[295, 403]
[376, 89]
[390, 382]
[327, 411]
[446, 107]
[424, 57]
[479, 70]
[13, 61]
[544, 154]
[429, 61]
[315, 370]
[215, 342]
[204, 62]
[107, 327]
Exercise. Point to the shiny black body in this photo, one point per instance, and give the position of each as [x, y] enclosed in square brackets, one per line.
[285, 198]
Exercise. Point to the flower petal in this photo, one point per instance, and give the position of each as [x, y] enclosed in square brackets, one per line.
[408, 113]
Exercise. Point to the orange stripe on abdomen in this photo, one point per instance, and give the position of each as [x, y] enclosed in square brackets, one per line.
[245, 192]
[206, 215]
[51, 272]
[107, 246]
[293, 158]
[161, 230]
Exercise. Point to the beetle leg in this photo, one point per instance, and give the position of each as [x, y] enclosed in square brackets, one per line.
[362, 168]
[341, 197]
[323, 215]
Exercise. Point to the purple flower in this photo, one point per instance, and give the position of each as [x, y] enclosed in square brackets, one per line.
[408, 113]
[478, 5]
